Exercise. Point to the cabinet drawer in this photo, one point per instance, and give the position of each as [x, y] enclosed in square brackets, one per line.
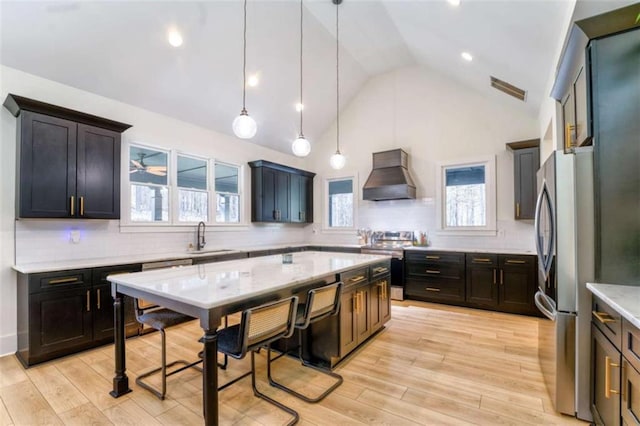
[355, 276]
[447, 290]
[517, 260]
[50, 281]
[434, 257]
[482, 259]
[379, 269]
[100, 274]
[631, 344]
[439, 272]
[608, 321]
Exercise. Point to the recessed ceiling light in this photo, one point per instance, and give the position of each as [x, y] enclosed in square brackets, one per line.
[455, 3]
[175, 38]
[253, 80]
[467, 56]
[299, 107]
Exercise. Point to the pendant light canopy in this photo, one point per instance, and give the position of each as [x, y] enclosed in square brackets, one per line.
[301, 146]
[337, 160]
[244, 126]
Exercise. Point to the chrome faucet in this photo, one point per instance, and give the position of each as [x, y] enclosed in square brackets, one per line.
[200, 242]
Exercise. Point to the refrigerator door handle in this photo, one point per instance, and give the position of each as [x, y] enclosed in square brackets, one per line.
[545, 305]
[545, 260]
[537, 223]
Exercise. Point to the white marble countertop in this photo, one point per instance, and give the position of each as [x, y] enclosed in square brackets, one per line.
[625, 299]
[473, 250]
[214, 284]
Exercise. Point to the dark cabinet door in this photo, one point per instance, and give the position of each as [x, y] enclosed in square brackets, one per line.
[517, 284]
[301, 199]
[605, 379]
[348, 334]
[98, 173]
[526, 164]
[60, 321]
[47, 163]
[482, 285]
[569, 121]
[102, 303]
[282, 201]
[273, 195]
[630, 394]
[363, 313]
[380, 303]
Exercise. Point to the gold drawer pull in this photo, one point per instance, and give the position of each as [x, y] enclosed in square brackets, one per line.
[383, 290]
[380, 269]
[481, 259]
[81, 206]
[607, 377]
[517, 209]
[516, 261]
[433, 257]
[357, 279]
[98, 299]
[432, 289]
[603, 317]
[432, 271]
[494, 276]
[88, 300]
[64, 280]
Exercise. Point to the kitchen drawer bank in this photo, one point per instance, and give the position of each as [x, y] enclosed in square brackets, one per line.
[61, 312]
[500, 282]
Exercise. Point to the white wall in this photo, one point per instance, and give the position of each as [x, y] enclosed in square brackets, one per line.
[48, 240]
[433, 119]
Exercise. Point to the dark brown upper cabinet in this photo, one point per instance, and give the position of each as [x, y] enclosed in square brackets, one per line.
[280, 193]
[68, 162]
[526, 162]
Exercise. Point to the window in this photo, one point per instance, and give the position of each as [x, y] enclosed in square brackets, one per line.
[193, 198]
[149, 186]
[466, 196]
[227, 189]
[340, 203]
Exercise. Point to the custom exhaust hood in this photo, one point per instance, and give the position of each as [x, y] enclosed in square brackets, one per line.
[390, 178]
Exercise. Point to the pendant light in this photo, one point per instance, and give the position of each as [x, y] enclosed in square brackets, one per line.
[244, 126]
[337, 160]
[301, 146]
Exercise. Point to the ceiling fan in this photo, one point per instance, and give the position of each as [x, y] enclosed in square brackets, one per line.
[140, 166]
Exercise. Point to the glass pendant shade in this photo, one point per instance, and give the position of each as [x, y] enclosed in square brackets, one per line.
[337, 160]
[301, 147]
[244, 126]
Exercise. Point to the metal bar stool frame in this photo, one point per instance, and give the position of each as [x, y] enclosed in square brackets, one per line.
[321, 303]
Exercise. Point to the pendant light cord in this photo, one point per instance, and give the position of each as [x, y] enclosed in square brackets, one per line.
[337, 83]
[244, 61]
[301, 102]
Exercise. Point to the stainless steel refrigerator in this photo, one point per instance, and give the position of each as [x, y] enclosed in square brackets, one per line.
[564, 225]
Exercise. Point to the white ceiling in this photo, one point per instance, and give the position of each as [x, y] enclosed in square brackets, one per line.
[119, 50]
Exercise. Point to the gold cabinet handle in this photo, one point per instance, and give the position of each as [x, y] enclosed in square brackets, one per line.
[73, 207]
[64, 280]
[568, 143]
[501, 277]
[432, 271]
[517, 209]
[98, 297]
[81, 206]
[482, 260]
[357, 279]
[433, 257]
[494, 276]
[355, 303]
[88, 300]
[515, 261]
[603, 317]
[380, 269]
[607, 377]
[383, 290]
[432, 289]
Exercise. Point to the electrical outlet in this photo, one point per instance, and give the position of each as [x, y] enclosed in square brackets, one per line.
[74, 236]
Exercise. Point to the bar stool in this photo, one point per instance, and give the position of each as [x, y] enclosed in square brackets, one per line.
[259, 327]
[160, 319]
[321, 303]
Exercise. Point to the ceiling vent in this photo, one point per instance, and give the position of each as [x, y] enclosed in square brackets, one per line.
[509, 89]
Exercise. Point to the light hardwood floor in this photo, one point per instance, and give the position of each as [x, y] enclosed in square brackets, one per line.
[432, 364]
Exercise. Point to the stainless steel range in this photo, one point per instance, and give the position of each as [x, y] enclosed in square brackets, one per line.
[392, 244]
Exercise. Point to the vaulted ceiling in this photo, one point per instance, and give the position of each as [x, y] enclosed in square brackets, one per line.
[120, 50]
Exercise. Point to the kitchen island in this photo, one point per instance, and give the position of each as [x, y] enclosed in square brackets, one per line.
[211, 291]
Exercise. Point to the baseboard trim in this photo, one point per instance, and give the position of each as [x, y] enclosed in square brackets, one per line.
[8, 344]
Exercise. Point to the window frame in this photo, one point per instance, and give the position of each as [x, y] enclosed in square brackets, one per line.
[326, 205]
[490, 229]
[214, 199]
[176, 196]
[127, 203]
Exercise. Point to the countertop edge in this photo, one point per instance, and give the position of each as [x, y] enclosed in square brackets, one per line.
[604, 291]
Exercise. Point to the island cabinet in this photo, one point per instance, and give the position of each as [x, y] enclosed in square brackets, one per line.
[435, 276]
[68, 162]
[280, 193]
[501, 282]
[66, 311]
[364, 309]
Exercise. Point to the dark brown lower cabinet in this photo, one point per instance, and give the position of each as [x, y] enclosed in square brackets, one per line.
[605, 377]
[631, 394]
[380, 303]
[63, 312]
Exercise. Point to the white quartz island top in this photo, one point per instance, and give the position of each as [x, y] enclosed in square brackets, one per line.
[625, 299]
[212, 284]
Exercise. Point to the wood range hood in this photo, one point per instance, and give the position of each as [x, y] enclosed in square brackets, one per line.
[390, 178]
